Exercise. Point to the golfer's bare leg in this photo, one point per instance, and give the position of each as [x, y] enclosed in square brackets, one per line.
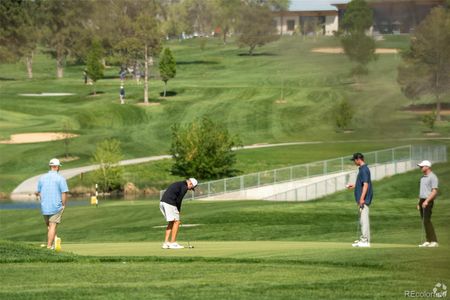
[168, 231]
[51, 234]
[176, 225]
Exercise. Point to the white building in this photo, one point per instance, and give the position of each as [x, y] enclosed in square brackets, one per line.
[308, 17]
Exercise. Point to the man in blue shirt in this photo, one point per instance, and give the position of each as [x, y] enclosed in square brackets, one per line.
[363, 197]
[52, 189]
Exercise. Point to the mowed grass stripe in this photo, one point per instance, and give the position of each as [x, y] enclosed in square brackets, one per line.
[259, 249]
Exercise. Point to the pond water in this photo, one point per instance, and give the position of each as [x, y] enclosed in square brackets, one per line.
[8, 205]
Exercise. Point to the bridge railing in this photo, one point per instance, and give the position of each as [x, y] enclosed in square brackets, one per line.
[313, 169]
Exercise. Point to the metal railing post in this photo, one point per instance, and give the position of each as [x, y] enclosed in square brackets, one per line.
[410, 152]
[274, 176]
[209, 188]
[325, 167]
[342, 164]
[291, 171]
[307, 171]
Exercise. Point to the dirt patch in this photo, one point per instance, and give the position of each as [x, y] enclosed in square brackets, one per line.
[68, 159]
[148, 104]
[338, 50]
[37, 137]
[281, 101]
[427, 108]
[427, 112]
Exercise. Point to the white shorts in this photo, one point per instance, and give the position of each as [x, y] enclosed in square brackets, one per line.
[170, 212]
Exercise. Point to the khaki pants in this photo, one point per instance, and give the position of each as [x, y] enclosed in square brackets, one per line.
[365, 224]
[56, 218]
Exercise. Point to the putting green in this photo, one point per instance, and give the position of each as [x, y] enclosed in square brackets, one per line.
[232, 249]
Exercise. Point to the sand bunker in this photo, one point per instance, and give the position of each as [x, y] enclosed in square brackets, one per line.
[24, 138]
[338, 50]
[47, 94]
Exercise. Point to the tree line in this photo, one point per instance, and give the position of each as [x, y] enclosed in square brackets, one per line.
[127, 30]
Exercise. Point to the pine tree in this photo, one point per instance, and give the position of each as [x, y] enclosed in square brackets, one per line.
[167, 67]
[94, 65]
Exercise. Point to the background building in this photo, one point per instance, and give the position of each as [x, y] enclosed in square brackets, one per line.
[325, 16]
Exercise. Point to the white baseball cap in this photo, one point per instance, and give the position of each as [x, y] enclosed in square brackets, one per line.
[54, 162]
[193, 181]
[425, 163]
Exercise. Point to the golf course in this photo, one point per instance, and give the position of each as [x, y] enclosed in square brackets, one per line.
[241, 249]
[286, 92]
[283, 93]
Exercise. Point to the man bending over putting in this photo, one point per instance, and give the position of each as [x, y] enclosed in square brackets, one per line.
[170, 206]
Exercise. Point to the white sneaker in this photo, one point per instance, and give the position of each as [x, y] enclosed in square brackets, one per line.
[175, 246]
[433, 245]
[361, 244]
[426, 244]
[166, 246]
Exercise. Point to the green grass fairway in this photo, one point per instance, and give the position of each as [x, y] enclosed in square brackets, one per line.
[260, 249]
[218, 82]
[242, 249]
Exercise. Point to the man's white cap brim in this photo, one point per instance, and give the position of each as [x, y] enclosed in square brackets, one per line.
[425, 163]
[193, 181]
[54, 162]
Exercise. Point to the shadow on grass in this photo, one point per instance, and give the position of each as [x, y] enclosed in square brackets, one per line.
[7, 79]
[258, 54]
[168, 94]
[197, 62]
[96, 93]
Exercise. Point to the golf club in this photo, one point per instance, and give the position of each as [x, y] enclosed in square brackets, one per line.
[187, 237]
[358, 225]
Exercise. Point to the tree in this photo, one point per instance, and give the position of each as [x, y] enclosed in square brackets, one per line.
[226, 13]
[19, 33]
[429, 119]
[256, 27]
[109, 175]
[359, 47]
[65, 21]
[67, 136]
[344, 114]
[167, 67]
[426, 64]
[358, 17]
[203, 149]
[94, 66]
[141, 35]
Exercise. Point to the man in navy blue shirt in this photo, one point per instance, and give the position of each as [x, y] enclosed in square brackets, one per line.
[363, 197]
[170, 207]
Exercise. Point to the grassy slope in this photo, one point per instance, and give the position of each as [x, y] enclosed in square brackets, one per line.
[237, 90]
[322, 266]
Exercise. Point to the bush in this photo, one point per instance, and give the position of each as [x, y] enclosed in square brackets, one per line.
[109, 176]
[203, 149]
[429, 120]
[344, 114]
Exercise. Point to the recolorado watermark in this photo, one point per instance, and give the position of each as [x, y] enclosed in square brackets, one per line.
[439, 291]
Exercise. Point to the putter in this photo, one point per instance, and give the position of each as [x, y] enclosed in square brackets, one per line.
[188, 240]
[358, 225]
